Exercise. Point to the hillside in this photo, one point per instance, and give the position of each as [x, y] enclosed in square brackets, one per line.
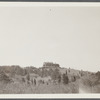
[51, 78]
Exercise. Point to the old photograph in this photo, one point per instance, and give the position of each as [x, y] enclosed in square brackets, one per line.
[49, 49]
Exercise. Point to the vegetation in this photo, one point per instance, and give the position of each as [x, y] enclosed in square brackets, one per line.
[53, 79]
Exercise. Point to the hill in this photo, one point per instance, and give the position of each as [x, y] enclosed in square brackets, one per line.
[50, 78]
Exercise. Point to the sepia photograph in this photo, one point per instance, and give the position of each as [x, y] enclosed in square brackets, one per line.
[49, 48]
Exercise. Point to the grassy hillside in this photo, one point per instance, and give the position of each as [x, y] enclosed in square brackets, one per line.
[17, 80]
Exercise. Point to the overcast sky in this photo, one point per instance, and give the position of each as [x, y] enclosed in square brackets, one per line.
[69, 36]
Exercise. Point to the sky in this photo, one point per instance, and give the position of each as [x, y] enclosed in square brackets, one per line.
[69, 36]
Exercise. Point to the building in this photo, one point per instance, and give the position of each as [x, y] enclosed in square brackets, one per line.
[50, 64]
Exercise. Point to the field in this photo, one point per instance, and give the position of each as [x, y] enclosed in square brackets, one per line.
[17, 88]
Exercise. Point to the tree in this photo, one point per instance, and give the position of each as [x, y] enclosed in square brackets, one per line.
[42, 73]
[23, 79]
[55, 74]
[4, 77]
[35, 81]
[25, 72]
[98, 75]
[32, 81]
[59, 79]
[74, 78]
[66, 72]
[65, 79]
[69, 69]
[28, 78]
